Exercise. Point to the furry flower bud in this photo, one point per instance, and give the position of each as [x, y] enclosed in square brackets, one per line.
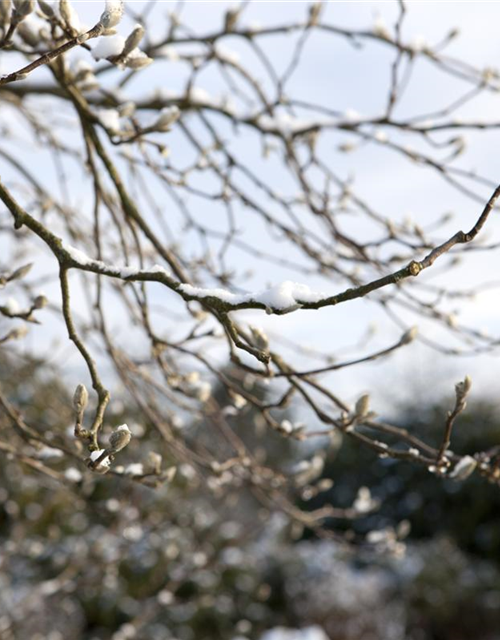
[112, 14]
[80, 399]
[40, 302]
[119, 439]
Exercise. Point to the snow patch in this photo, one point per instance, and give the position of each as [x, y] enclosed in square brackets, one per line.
[108, 46]
[134, 469]
[47, 453]
[12, 306]
[307, 633]
[287, 295]
[109, 118]
[105, 462]
[72, 474]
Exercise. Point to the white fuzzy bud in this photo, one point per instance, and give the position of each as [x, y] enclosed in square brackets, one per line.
[314, 13]
[364, 503]
[170, 474]
[119, 439]
[69, 15]
[362, 406]
[15, 334]
[464, 468]
[154, 461]
[40, 302]
[112, 14]
[231, 18]
[22, 8]
[409, 336]
[28, 34]
[21, 272]
[80, 399]
[138, 60]
[167, 117]
[261, 340]
[46, 8]
[133, 40]
[463, 388]
[4, 12]
[286, 426]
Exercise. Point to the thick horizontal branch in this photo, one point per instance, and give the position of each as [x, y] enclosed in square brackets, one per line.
[279, 300]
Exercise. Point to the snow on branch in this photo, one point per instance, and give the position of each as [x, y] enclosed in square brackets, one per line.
[280, 299]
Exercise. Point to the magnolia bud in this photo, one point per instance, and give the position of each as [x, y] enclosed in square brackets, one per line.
[112, 14]
[463, 388]
[127, 110]
[409, 336]
[170, 474]
[16, 334]
[27, 33]
[467, 384]
[362, 406]
[22, 8]
[80, 399]
[21, 272]
[464, 468]
[46, 9]
[138, 61]
[119, 439]
[231, 18]
[260, 338]
[154, 462]
[4, 12]
[133, 40]
[68, 14]
[314, 13]
[167, 117]
[40, 302]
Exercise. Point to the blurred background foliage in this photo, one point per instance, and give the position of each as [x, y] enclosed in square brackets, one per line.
[464, 511]
[108, 558]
